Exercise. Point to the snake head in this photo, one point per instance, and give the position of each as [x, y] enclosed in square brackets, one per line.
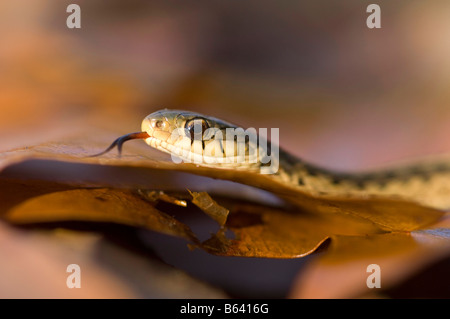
[186, 135]
[203, 140]
[206, 141]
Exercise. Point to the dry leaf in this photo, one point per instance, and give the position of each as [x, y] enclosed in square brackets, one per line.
[386, 213]
[25, 202]
[342, 271]
[277, 235]
[210, 207]
[260, 231]
[155, 196]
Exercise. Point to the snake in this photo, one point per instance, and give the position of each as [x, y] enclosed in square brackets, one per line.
[426, 182]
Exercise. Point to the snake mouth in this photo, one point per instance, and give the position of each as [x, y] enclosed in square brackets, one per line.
[188, 153]
[175, 151]
[161, 145]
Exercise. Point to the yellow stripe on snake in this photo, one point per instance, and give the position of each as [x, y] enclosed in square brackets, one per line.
[426, 183]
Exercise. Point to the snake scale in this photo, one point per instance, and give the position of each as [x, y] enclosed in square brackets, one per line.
[426, 183]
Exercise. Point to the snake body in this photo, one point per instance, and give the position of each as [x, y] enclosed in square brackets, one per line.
[426, 183]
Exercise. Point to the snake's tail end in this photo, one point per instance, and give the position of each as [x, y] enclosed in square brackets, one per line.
[119, 142]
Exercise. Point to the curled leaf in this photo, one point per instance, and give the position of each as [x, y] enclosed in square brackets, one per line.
[208, 205]
[26, 202]
[155, 196]
[260, 231]
[342, 271]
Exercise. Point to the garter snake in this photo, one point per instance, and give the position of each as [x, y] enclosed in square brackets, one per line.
[426, 183]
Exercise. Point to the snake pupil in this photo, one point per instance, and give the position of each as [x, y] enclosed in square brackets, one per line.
[193, 127]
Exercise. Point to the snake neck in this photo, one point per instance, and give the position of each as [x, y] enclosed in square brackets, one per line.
[426, 183]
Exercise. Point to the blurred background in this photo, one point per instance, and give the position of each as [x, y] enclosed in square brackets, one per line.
[344, 96]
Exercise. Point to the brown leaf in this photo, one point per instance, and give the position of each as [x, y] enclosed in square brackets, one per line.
[25, 202]
[210, 207]
[155, 196]
[259, 231]
[277, 235]
[386, 213]
[341, 272]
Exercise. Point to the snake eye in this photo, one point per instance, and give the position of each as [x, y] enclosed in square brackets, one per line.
[196, 128]
[159, 124]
